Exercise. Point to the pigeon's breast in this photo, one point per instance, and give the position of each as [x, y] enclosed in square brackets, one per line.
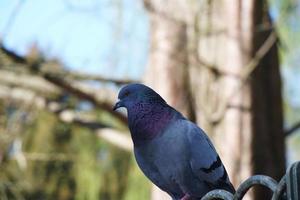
[166, 155]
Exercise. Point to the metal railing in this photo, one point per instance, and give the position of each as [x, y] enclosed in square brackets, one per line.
[289, 185]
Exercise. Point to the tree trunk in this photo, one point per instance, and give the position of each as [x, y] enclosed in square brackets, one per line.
[167, 71]
[211, 62]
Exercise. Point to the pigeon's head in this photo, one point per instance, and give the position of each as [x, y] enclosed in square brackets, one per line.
[135, 93]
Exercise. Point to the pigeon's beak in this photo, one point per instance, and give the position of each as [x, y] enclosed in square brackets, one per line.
[118, 105]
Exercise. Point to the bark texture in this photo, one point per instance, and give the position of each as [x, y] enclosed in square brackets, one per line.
[210, 61]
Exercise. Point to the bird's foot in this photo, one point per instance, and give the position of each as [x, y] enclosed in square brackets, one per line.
[186, 197]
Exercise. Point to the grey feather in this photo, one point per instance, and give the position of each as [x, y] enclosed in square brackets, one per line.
[174, 153]
[183, 161]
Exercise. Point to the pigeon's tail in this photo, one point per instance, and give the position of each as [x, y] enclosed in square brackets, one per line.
[229, 187]
[226, 186]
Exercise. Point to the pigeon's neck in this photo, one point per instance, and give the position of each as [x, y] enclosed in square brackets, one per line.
[147, 121]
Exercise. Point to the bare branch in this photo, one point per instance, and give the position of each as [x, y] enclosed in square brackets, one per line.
[32, 82]
[44, 88]
[12, 17]
[83, 95]
[16, 58]
[91, 77]
[27, 97]
[118, 138]
[48, 156]
[292, 129]
[35, 67]
[259, 55]
[167, 9]
[42, 66]
[247, 70]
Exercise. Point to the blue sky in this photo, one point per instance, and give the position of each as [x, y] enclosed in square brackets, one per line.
[108, 37]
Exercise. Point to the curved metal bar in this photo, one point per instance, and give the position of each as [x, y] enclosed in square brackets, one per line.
[254, 180]
[280, 189]
[218, 194]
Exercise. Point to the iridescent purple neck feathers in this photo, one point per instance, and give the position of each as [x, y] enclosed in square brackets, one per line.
[148, 120]
[148, 112]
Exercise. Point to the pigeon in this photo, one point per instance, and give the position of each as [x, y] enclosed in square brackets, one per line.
[173, 152]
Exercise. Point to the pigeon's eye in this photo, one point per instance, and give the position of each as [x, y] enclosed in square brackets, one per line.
[126, 93]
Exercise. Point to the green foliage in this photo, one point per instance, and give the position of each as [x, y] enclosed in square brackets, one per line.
[68, 162]
[139, 187]
[87, 171]
[288, 27]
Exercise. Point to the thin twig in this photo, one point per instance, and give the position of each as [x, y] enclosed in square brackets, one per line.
[247, 70]
[115, 137]
[83, 95]
[90, 77]
[61, 83]
[12, 18]
[292, 129]
[62, 73]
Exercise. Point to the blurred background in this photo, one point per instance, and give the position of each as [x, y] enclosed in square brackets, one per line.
[231, 66]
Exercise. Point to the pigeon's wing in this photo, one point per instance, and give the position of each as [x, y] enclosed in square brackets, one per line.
[204, 160]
